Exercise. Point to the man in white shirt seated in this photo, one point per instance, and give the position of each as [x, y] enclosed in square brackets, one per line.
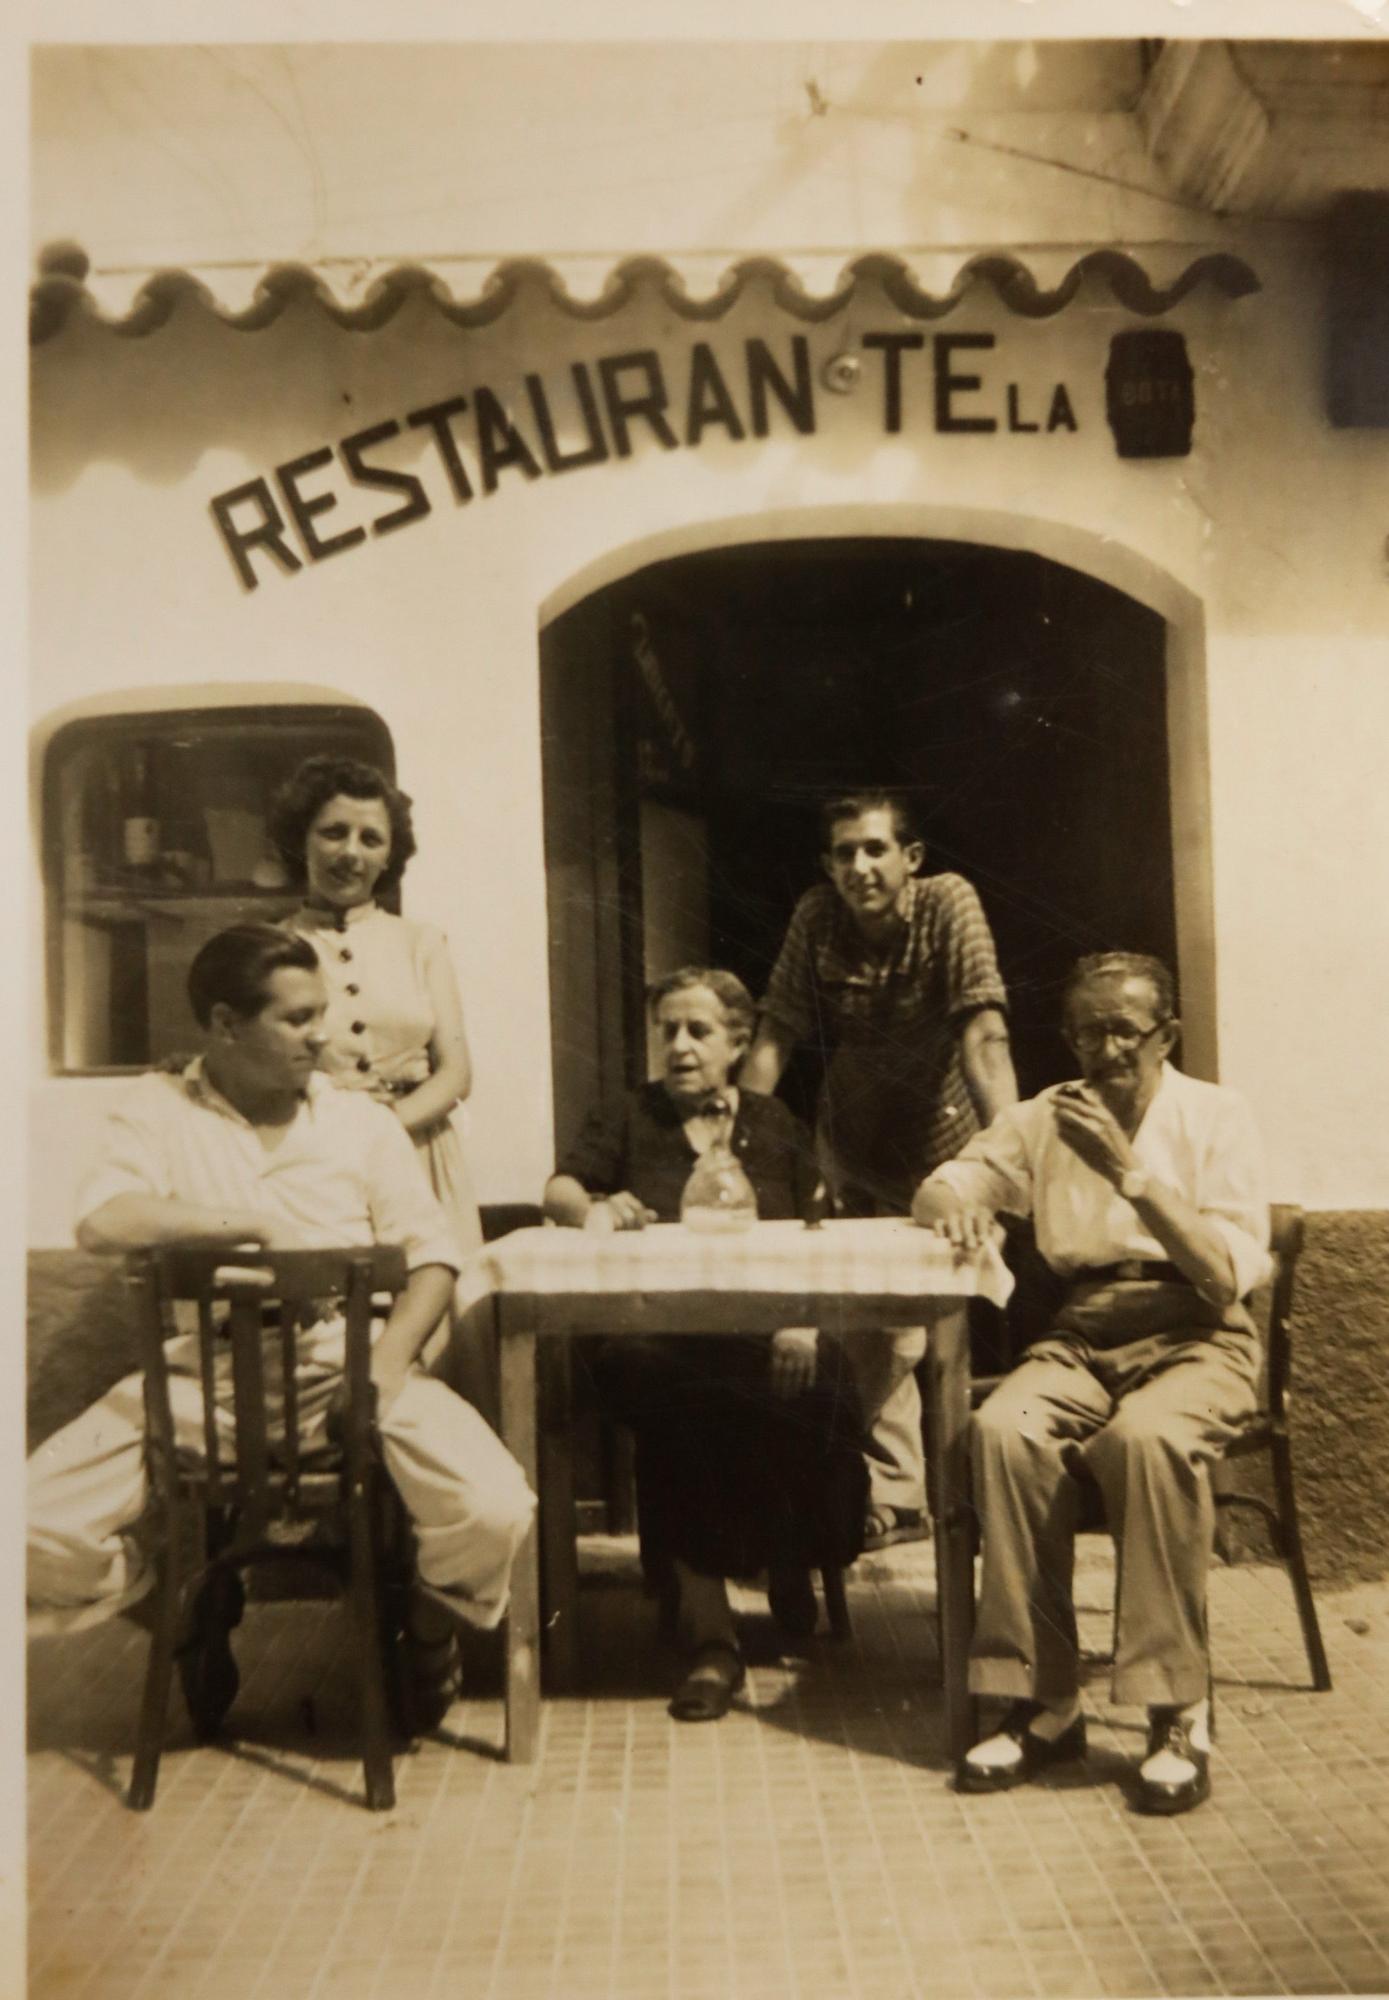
[1147, 1192]
[249, 1147]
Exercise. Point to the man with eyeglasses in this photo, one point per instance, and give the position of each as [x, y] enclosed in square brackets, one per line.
[1147, 1191]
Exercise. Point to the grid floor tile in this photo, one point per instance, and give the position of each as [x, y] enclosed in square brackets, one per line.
[807, 1848]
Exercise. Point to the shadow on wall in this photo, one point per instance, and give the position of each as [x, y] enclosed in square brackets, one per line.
[80, 1341]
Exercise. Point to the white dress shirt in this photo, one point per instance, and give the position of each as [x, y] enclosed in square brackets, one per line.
[343, 1173]
[1198, 1138]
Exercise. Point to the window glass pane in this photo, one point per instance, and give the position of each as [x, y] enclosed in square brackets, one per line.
[155, 840]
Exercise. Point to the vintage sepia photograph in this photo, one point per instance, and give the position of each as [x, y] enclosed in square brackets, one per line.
[707, 1226]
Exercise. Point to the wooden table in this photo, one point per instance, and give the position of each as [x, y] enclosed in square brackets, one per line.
[843, 1276]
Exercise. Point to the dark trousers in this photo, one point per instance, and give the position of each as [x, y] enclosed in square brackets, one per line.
[731, 1478]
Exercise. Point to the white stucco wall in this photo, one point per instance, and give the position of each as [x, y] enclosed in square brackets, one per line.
[1264, 545]
[1265, 549]
[229, 158]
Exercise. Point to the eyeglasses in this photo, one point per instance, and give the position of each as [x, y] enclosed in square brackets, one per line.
[1091, 1040]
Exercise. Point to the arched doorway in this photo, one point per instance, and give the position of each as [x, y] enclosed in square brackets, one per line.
[696, 708]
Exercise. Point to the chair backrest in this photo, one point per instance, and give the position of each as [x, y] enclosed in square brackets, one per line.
[499, 1218]
[255, 1302]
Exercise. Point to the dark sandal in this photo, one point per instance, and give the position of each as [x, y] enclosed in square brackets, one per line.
[884, 1527]
[705, 1697]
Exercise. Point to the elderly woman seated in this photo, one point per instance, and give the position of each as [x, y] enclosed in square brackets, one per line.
[748, 1450]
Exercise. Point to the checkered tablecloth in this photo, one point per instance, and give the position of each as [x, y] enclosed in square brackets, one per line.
[882, 1255]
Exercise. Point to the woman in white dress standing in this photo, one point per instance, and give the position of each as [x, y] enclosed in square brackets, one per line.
[395, 1021]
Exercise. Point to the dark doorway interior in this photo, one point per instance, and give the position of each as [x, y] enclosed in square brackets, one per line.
[695, 713]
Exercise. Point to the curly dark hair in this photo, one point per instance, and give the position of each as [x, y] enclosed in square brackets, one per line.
[237, 965]
[297, 805]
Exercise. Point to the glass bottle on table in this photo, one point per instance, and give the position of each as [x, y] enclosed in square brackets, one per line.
[718, 1196]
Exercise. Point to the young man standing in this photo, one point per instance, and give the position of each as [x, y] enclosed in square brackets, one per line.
[892, 975]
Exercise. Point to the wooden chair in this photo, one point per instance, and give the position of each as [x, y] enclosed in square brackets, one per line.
[271, 1496]
[1265, 1431]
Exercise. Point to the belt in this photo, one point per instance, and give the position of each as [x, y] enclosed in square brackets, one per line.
[1134, 1270]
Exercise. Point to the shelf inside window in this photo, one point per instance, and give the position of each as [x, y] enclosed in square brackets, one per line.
[153, 824]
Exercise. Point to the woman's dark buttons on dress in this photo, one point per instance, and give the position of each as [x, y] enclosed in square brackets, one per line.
[353, 990]
[344, 954]
[364, 1062]
[359, 1027]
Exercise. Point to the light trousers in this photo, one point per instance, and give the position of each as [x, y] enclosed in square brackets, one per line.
[884, 1361]
[466, 1496]
[1144, 1417]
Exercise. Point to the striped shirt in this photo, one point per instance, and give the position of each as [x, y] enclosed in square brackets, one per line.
[894, 1103]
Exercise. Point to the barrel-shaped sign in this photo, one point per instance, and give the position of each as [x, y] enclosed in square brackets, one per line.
[1149, 397]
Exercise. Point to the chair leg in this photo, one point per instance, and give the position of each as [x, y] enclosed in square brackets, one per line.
[154, 1704]
[1296, 1561]
[1210, 1671]
[976, 1546]
[364, 1616]
[395, 1574]
[836, 1603]
[180, 1564]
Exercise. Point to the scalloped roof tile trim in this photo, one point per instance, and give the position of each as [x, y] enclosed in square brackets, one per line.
[55, 299]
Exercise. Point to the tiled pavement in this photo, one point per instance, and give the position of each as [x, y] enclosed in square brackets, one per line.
[806, 1848]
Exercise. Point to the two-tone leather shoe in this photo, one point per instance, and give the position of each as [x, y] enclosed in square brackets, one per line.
[1035, 1753]
[1169, 1729]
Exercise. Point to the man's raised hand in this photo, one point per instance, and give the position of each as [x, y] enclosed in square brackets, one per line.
[1092, 1132]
